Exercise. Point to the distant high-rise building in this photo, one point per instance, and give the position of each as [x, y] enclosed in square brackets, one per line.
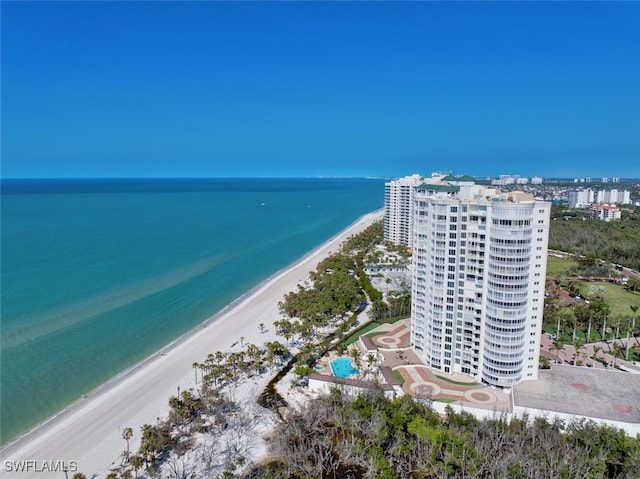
[605, 179]
[478, 280]
[536, 180]
[398, 207]
[613, 196]
[580, 198]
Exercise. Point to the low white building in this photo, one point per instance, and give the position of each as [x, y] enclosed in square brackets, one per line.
[605, 212]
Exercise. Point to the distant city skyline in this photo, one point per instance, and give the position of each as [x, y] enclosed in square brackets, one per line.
[286, 89]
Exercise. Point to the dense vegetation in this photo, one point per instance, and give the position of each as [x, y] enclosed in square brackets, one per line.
[616, 241]
[370, 436]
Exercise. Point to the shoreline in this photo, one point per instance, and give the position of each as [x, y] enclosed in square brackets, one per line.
[99, 417]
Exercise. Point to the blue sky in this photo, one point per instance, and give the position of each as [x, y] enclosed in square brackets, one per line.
[103, 89]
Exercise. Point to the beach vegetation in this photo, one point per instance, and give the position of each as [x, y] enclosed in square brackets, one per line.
[368, 435]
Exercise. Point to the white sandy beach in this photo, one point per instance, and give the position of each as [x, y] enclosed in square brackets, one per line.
[89, 432]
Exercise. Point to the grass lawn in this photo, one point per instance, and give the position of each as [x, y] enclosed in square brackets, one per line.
[447, 380]
[618, 298]
[566, 333]
[399, 376]
[556, 265]
[445, 400]
[356, 335]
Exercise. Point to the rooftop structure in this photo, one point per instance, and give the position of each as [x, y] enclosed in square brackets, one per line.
[609, 397]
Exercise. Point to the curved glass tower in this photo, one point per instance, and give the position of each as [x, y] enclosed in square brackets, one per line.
[479, 261]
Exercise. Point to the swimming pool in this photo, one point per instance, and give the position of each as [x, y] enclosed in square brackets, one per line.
[342, 368]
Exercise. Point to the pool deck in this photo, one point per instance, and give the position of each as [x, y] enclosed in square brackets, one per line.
[394, 354]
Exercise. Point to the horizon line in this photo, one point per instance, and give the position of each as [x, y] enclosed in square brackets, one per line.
[275, 177]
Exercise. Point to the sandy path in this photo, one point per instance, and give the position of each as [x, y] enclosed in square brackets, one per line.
[89, 433]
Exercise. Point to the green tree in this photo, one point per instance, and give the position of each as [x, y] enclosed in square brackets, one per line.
[557, 346]
[127, 434]
[136, 462]
[580, 348]
[195, 367]
[355, 354]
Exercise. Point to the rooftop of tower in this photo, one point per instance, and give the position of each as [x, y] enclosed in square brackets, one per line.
[471, 191]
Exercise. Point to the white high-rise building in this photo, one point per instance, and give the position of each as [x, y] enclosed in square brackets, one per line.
[614, 196]
[580, 198]
[478, 279]
[398, 207]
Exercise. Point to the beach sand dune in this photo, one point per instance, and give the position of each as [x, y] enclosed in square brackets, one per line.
[87, 436]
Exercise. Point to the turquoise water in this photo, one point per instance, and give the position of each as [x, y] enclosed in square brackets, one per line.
[97, 275]
[342, 368]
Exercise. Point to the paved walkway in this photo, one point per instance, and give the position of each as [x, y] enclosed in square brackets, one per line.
[393, 345]
[420, 381]
[396, 338]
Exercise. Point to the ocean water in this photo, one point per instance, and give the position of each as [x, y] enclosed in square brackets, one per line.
[96, 275]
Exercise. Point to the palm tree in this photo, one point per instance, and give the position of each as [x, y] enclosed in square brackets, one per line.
[287, 335]
[136, 462]
[573, 321]
[578, 344]
[127, 434]
[596, 350]
[617, 352]
[195, 371]
[255, 354]
[371, 359]
[355, 354]
[557, 346]
[261, 326]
